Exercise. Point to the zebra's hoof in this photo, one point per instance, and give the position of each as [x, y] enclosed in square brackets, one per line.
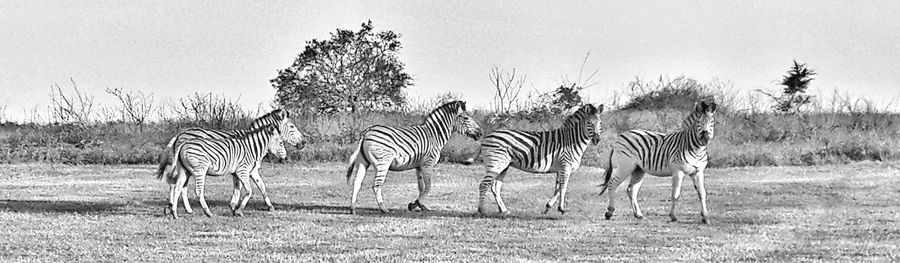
[239, 213]
[672, 218]
[412, 206]
[546, 209]
[609, 212]
[562, 211]
[208, 213]
[384, 210]
[189, 211]
[352, 210]
[638, 216]
[705, 221]
[272, 209]
[421, 206]
[482, 211]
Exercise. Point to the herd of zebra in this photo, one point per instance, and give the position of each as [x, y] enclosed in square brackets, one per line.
[199, 152]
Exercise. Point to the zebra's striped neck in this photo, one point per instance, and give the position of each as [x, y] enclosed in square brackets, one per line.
[439, 125]
[570, 135]
[692, 150]
[264, 135]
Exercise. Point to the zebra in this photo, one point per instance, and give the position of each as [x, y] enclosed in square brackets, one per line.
[239, 157]
[400, 149]
[277, 116]
[638, 152]
[558, 151]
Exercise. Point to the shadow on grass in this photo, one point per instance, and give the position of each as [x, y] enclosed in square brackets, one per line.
[154, 207]
[402, 213]
[44, 206]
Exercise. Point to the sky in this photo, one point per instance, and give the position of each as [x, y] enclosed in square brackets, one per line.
[174, 48]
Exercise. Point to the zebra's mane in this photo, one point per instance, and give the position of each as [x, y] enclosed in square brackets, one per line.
[279, 114]
[265, 128]
[580, 114]
[453, 106]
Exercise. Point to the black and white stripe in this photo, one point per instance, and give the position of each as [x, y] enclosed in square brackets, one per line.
[417, 147]
[279, 117]
[239, 157]
[556, 151]
[639, 152]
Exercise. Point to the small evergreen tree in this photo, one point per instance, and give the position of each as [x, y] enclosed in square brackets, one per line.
[795, 83]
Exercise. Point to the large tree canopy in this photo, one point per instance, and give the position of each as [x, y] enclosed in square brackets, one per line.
[352, 70]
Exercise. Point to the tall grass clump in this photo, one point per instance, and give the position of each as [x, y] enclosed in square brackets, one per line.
[748, 132]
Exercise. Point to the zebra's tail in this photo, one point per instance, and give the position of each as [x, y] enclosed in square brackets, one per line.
[173, 160]
[164, 159]
[607, 174]
[352, 161]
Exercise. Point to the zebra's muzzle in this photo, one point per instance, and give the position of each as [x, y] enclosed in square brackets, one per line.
[705, 137]
[475, 135]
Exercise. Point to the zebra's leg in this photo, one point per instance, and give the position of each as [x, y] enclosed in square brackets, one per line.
[498, 185]
[198, 189]
[619, 173]
[380, 175]
[357, 183]
[184, 197]
[423, 177]
[552, 201]
[262, 189]
[637, 178]
[180, 179]
[236, 193]
[701, 191]
[563, 189]
[677, 177]
[496, 165]
[245, 184]
[174, 191]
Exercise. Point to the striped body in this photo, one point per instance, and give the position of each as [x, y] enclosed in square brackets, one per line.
[638, 152]
[239, 157]
[536, 152]
[660, 154]
[556, 151]
[276, 117]
[403, 148]
[409, 147]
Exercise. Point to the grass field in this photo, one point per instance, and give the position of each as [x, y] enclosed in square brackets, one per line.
[114, 213]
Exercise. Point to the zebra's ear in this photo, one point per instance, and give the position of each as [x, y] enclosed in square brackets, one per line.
[590, 109]
[462, 105]
[600, 109]
[704, 107]
[700, 106]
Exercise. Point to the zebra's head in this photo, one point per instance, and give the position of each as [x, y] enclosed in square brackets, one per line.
[289, 131]
[464, 123]
[276, 143]
[593, 126]
[702, 121]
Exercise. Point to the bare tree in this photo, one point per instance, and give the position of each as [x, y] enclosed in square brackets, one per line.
[210, 110]
[135, 107]
[508, 86]
[74, 108]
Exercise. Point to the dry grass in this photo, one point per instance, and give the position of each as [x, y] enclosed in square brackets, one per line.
[113, 213]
